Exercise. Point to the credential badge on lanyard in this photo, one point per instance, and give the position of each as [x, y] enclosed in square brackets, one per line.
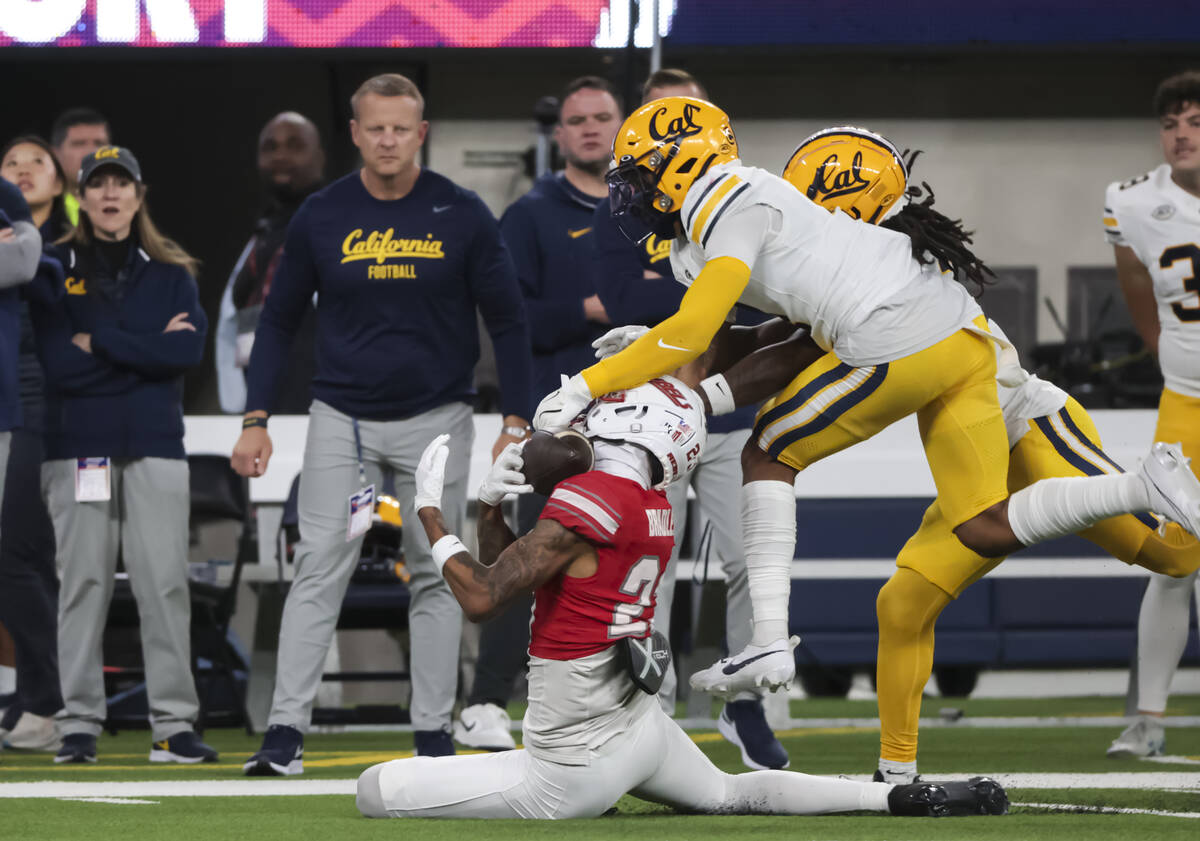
[361, 506]
[93, 480]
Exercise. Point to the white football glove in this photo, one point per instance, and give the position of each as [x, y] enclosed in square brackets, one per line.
[505, 477]
[617, 339]
[431, 474]
[559, 407]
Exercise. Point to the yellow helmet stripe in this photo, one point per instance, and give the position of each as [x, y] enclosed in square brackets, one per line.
[1110, 221]
[711, 205]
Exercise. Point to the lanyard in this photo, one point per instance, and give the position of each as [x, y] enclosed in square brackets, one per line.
[362, 473]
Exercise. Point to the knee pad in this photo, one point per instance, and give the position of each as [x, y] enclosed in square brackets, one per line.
[368, 799]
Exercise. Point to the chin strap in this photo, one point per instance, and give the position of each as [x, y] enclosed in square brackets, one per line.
[622, 460]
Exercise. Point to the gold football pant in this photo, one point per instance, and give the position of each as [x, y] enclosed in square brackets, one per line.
[950, 387]
[934, 567]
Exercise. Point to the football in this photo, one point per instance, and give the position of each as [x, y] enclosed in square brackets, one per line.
[549, 458]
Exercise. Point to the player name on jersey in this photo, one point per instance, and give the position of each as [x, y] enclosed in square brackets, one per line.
[660, 522]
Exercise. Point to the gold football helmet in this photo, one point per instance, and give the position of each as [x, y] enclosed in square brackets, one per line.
[659, 152]
[849, 168]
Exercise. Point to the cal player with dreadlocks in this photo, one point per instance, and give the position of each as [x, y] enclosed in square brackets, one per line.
[1049, 435]
[1153, 224]
[900, 338]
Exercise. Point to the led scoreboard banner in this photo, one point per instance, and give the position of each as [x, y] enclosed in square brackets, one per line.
[590, 23]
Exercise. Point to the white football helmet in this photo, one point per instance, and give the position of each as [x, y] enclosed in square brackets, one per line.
[664, 417]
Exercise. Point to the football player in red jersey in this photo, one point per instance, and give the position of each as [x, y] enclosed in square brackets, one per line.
[593, 730]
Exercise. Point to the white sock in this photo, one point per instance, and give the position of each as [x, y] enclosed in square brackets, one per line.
[769, 533]
[907, 768]
[792, 793]
[8, 680]
[1162, 636]
[1058, 507]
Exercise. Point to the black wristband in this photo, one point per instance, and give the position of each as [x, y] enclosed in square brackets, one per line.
[253, 421]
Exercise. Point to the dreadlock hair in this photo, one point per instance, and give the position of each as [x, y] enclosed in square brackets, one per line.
[936, 236]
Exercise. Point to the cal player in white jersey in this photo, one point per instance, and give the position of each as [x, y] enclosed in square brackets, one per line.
[593, 729]
[1153, 223]
[899, 338]
[1049, 435]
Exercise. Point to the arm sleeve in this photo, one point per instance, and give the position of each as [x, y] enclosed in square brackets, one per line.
[581, 509]
[231, 380]
[679, 339]
[291, 292]
[618, 276]
[159, 355]
[553, 322]
[19, 257]
[497, 294]
[69, 369]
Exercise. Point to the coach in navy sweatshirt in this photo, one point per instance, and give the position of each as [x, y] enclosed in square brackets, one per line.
[399, 258]
[115, 342]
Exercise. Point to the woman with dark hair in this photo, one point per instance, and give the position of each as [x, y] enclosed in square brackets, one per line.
[28, 584]
[115, 345]
[29, 162]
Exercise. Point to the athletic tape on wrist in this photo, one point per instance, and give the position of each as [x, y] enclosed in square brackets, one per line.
[446, 548]
[719, 395]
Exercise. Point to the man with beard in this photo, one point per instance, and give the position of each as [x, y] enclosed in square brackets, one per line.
[291, 163]
[549, 232]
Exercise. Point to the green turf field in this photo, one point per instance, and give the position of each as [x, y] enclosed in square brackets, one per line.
[1035, 758]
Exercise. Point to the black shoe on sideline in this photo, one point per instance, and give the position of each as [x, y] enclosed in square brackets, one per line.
[77, 747]
[184, 747]
[433, 743]
[281, 754]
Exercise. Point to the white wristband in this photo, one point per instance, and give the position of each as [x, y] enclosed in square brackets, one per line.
[446, 548]
[719, 395]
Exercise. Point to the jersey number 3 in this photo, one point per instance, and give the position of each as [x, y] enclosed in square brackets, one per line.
[639, 583]
[1191, 283]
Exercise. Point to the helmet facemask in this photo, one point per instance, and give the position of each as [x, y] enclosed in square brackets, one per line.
[634, 198]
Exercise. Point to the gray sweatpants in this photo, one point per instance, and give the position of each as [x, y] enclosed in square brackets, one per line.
[717, 482]
[325, 560]
[147, 521]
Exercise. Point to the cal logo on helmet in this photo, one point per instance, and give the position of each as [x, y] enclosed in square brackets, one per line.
[849, 169]
[659, 152]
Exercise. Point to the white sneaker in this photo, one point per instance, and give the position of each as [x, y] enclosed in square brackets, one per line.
[1174, 489]
[34, 732]
[484, 727]
[754, 667]
[1144, 737]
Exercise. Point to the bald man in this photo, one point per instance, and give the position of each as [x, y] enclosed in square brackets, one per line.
[291, 164]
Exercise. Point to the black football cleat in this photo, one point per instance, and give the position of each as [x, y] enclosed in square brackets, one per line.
[976, 796]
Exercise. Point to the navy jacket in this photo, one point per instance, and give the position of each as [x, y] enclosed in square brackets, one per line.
[549, 232]
[618, 269]
[13, 209]
[397, 283]
[125, 398]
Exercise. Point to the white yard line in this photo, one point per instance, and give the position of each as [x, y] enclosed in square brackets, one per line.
[966, 721]
[279, 788]
[1105, 810]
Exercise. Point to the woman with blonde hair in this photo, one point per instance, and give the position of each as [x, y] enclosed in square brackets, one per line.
[125, 325]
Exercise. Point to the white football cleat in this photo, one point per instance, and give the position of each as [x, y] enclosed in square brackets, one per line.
[1174, 489]
[1144, 737]
[484, 727]
[754, 667]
